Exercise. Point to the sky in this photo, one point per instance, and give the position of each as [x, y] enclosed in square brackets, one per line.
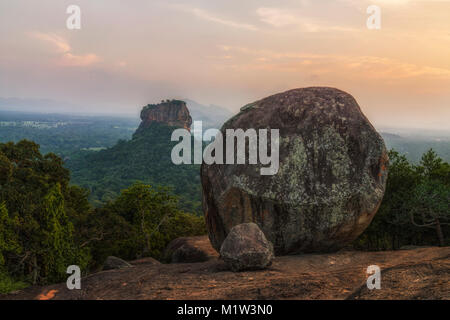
[229, 53]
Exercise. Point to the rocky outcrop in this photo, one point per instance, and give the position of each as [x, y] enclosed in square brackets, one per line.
[189, 249]
[406, 274]
[246, 248]
[170, 112]
[115, 263]
[330, 182]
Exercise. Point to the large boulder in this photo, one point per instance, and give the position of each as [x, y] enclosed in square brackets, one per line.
[331, 178]
[189, 250]
[246, 248]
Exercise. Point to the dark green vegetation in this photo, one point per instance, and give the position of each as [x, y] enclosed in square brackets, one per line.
[47, 224]
[146, 157]
[415, 208]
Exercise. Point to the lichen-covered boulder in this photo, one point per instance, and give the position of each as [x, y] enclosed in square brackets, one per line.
[331, 178]
[246, 248]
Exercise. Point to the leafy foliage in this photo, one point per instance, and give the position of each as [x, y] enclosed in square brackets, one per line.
[141, 222]
[46, 224]
[37, 237]
[415, 208]
[8, 284]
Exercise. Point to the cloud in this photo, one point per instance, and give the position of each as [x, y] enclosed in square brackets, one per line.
[62, 47]
[70, 59]
[281, 18]
[210, 17]
[368, 67]
[60, 44]
[276, 17]
[390, 2]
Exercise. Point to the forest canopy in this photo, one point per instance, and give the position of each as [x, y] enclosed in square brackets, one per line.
[47, 224]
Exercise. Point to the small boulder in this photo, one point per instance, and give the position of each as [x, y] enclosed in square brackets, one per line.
[246, 248]
[115, 263]
[189, 250]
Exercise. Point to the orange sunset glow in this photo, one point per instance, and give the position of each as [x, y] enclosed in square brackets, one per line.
[229, 53]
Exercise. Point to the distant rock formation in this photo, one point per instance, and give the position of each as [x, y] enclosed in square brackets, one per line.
[146, 157]
[170, 112]
[331, 179]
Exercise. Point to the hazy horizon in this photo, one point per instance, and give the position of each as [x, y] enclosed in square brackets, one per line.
[230, 53]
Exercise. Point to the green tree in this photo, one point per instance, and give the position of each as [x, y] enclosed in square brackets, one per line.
[40, 206]
[415, 202]
[430, 165]
[429, 207]
[9, 243]
[57, 249]
[147, 209]
[139, 223]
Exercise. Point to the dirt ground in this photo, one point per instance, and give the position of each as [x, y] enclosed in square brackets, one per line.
[422, 273]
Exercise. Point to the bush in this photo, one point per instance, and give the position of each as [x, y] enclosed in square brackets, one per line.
[140, 223]
[8, 284]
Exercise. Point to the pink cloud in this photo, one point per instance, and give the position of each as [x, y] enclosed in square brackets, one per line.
[61, 45]
[72, 60]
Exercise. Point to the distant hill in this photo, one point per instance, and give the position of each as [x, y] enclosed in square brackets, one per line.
[388, 135]
[89, 146]
[414, 144]
[41, 105]
[212, 116]
[146, 157]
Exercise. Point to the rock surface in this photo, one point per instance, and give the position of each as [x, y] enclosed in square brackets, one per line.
[170, 112]
[331, 178]
[115, 263]
[189, 249]
[246, 248]
[406, 274]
